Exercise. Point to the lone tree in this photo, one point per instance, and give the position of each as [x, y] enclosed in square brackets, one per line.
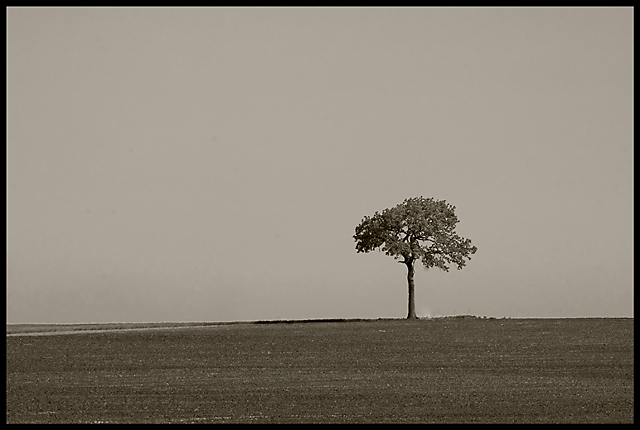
[417, 229]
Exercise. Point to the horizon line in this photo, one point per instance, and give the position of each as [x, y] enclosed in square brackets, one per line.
[313, 320]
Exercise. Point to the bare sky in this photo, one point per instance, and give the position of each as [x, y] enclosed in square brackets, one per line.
[211, 164]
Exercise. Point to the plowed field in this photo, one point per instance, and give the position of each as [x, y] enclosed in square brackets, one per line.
[459, 370]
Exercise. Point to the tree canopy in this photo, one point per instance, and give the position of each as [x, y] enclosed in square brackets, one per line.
[417, 229]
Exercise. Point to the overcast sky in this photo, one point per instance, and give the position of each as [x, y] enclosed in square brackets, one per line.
[212, 164]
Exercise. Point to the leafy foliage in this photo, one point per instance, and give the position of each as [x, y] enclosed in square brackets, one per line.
[417, 229]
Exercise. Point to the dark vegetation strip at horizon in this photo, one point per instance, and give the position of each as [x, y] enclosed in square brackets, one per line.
[26, 328]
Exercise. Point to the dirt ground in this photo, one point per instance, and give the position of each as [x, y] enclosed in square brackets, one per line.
[394, 371]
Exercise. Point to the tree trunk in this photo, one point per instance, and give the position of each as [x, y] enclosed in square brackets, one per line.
[412, 300]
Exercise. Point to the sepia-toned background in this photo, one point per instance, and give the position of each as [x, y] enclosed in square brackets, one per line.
[211, 164]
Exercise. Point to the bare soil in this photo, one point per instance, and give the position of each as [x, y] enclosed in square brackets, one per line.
[461, 370]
